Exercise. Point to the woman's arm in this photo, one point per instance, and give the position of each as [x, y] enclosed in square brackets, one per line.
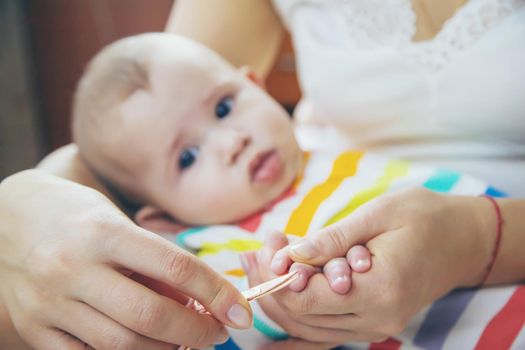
[67, 258]
[66, 163]
[446, 241]
[510, 261]
[468, 223]
[9, 338]
[245, 32]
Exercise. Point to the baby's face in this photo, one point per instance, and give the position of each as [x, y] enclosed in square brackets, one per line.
[219, 147]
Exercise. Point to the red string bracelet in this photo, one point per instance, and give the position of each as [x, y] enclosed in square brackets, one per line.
[499, 218]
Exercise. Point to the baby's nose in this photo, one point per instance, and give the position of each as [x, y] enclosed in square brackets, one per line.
[232, 143]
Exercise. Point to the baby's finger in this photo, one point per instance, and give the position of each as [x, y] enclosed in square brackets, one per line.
[304, 273]
[338, 273]
[251, 267]
[276, 240]
[281, 261]
[358, 258]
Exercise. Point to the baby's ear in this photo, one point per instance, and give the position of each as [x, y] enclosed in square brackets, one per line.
[156, 220]
[249, 73]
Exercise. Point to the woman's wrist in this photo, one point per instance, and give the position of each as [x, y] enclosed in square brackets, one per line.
[480, 238]
[497, 239]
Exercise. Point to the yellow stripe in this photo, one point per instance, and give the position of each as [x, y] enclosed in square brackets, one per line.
[393, 170]
[344, 166]
[236, 245]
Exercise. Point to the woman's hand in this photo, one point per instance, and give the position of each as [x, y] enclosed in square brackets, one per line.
[422, 244]
[308, 333]
[338, 270]
[70, 262]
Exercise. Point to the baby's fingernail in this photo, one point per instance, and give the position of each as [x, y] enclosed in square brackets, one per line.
[223, 336]
[340, 283]
[239, 316]
[190, 303]
[339, 279]
[277, 265]
[264, 255]
[359, 264]
[304, 249]
[299, 284]
[245, 263]
[362, 263]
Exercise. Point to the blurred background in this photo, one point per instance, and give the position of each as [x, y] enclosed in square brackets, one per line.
[44, 47]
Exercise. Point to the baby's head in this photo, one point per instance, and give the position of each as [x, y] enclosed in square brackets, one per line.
[176, 129]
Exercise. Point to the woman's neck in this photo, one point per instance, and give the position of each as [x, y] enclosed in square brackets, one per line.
[431, 15]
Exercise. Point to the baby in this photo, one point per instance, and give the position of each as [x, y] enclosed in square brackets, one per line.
[183, 137]
[196, 147]
[179, 131]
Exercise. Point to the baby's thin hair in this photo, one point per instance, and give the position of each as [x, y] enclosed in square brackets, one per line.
[110, 77]
[116, 72]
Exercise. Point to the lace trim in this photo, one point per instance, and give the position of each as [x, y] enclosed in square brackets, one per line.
[376, 23]
[373, 23]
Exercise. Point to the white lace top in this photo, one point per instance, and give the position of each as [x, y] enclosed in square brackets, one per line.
[457, 100]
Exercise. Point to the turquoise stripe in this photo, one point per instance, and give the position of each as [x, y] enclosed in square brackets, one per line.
[491, 191]
[268, 330]
[442, 180]
[180, 240]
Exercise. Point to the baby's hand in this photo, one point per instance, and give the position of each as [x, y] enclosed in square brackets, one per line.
[337, 271]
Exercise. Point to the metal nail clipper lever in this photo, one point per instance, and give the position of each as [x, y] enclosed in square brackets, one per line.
[270, 287]
[256, 292]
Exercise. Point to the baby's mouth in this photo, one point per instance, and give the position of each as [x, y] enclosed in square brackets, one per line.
[266, 167]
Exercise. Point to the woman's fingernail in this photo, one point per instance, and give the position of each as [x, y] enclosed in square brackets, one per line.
[239, 316]
[304, 249]
[223, 336]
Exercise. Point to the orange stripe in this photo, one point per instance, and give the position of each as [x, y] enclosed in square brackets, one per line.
[344, 166]
[235, 273]
[503, 329]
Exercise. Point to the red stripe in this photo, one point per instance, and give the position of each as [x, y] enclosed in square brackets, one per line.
[503, 329]
[251, 223]
[389, 344]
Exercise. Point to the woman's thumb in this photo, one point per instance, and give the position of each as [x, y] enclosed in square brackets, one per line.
[332, 241]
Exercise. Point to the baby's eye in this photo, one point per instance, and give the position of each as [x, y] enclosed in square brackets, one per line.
[188, 157]
[224, 107]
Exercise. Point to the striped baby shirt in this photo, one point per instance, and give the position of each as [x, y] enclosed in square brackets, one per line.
[331, 186]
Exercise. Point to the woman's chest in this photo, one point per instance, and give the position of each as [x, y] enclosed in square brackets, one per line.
[358, 63]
